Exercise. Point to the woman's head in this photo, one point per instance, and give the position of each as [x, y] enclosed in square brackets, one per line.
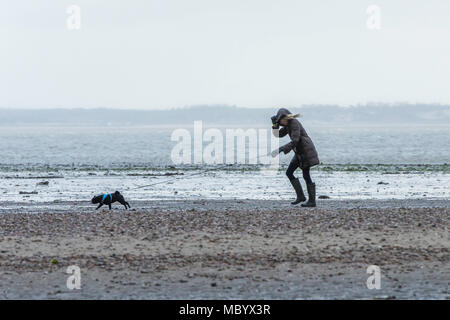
[284, 121]
[283, 116]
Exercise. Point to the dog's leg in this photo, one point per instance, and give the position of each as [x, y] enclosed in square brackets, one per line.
[124, 203]
[127, 205]
[109, 206]
[99, 206]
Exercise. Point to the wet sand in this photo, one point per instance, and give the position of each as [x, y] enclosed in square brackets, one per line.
[243, 249]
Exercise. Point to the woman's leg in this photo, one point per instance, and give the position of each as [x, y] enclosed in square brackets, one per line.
[311, 187]
[293, 165]
[294, 181]
[307, 176]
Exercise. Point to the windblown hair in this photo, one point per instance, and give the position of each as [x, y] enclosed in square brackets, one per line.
[291, 116]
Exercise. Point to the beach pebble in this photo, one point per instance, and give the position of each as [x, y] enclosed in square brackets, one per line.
[28, 192]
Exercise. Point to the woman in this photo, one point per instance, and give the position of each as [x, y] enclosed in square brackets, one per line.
[305, 153]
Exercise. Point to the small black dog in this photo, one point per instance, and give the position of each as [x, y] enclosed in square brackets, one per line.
[109, 198]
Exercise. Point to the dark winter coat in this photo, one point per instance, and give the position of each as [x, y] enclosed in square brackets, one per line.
[301, 143]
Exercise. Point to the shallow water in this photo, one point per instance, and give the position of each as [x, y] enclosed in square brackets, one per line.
[151, 146]
[268, 185]
[79, 162]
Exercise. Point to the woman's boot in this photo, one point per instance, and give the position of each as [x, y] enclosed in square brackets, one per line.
[311, 194]
[298, 189]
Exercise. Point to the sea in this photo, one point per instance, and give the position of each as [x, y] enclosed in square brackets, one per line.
[55, 163]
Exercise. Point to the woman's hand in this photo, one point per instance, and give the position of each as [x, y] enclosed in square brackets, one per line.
[274, 153]
[275, 125]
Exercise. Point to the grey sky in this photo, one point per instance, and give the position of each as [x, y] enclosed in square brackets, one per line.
[253, 53]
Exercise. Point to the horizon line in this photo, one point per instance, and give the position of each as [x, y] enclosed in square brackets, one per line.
[368, 104]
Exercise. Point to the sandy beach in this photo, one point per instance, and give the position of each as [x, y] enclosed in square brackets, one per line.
[225, 249]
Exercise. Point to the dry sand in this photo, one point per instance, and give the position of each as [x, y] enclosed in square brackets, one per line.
[226, 250]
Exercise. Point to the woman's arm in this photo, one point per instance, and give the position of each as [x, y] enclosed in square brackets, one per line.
[280, 133]
[295, 136]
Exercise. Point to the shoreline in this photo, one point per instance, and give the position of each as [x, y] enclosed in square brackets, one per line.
[167, 205]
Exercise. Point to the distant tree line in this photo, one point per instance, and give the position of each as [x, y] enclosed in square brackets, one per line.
[223, 114]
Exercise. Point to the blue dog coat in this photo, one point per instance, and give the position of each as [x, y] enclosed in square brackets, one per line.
[104, 197]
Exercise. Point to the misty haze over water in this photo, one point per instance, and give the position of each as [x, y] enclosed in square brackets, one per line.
[374, 114]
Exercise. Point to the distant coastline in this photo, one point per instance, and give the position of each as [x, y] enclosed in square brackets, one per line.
[372, 114]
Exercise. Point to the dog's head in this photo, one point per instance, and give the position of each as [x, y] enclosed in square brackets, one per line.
[96, 199]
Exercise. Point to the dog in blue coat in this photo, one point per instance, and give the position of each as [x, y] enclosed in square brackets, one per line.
[109, 198]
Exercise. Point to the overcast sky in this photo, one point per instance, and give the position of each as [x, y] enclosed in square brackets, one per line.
[249, 53]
